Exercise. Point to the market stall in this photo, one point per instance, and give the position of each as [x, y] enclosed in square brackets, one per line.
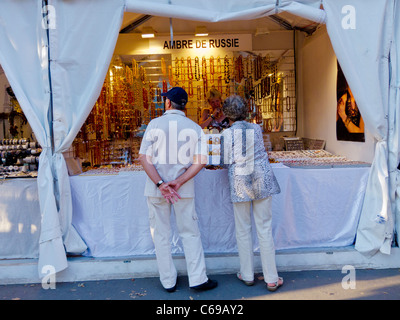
[67, 103]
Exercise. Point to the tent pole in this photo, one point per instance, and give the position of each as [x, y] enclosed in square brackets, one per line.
[50, 113]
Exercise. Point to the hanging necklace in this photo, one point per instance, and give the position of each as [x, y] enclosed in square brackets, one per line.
[212, 71]
[145, 99]
[190, 91]
[158, 94]
[142, 73]
[218, 65]
[219, 84]
[189, 66]
[177, 71]
[196, 69]
[183, 70]
[205, 86]
[163, 67]
[226, 70]
[204, 67]
[135, 69]
[164, 86]
[170, 76]
[198, 93]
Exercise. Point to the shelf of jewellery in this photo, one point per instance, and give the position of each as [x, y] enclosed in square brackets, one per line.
[131, 95]
[279, 107]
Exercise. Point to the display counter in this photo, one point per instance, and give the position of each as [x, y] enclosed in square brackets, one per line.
[316, 208]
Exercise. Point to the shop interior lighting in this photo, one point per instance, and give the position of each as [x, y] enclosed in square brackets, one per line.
[148, 32]
[201, 31]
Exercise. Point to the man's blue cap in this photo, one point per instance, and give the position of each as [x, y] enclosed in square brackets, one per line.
[177, 95]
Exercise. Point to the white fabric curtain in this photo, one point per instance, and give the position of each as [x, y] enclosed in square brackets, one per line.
[394, 155]
[214, 11]
[82, 37]
[361, 33]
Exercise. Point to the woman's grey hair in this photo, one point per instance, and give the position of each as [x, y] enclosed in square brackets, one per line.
[235, 108]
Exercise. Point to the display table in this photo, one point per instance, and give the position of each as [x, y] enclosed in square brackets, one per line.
[19, 218]
[316, 208]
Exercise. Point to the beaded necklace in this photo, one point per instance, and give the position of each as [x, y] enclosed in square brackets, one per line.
[177, 70]
[219, 84]
[196, 69]
[158, 94]
[204, 67]
[170, 76]
[189, 67]
[142, 73]
[183, 70]
[135, 69]
[226, 70]
[212, 69]
[164, 86]
[219, 65]
[205, 86]
[239, 68]
[163, 67]
[198, 89]
[145, 99]
[190, 91]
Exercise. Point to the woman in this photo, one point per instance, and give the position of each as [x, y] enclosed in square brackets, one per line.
[252, 183]
[214, 117]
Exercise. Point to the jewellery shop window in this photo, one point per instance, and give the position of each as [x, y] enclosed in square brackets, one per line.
[131, 97]
[19, 149]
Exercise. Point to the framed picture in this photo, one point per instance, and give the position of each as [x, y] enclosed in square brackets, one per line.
[349, 123]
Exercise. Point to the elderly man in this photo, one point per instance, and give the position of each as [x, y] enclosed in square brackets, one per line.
[172, 152]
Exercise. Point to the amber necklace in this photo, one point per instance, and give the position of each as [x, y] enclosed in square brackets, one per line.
[196, 68]
[189, 66]
[226, 70]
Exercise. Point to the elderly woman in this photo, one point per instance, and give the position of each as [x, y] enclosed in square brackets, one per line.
[252, 184]
[213, 117]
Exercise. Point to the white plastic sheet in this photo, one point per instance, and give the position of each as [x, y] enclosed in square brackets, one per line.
[361, 33]
[82, 37]
[214, 11]
[316, 208]
[394, 142]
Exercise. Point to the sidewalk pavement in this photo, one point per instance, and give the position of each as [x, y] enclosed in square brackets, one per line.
[362, 284]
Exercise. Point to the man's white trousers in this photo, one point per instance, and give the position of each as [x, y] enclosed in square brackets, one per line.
[187, 225]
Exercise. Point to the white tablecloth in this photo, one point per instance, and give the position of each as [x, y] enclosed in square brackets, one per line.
[19, 219]
[316, 208]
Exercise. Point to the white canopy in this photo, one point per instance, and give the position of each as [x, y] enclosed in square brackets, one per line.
[368, 54]
[67, 76]
[81, 46]
[214, 11]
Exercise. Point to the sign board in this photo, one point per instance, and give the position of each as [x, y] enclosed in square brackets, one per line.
[230, 42]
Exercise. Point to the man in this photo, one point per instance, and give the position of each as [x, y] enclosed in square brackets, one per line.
[172, 152]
